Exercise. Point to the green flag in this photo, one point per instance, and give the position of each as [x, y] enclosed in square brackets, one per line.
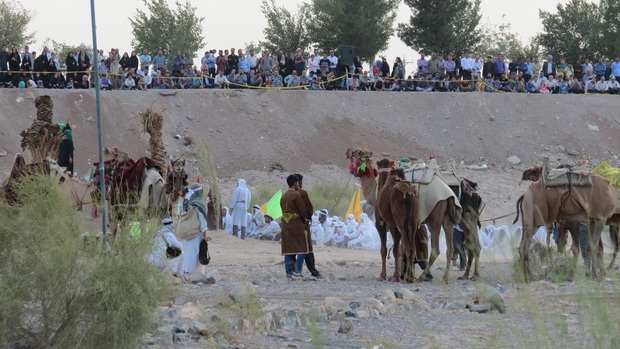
[272, 207]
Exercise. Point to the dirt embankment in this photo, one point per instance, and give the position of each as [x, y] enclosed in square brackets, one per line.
[253, 129]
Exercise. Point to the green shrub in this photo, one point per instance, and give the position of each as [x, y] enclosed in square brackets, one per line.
[56, 291]
[333, 196]
[262, 193]
[546, 263]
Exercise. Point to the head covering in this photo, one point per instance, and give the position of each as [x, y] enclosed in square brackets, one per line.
[194, 198]
[241, 182]
[68, 133]
[166, 220]
[350, 217]
[324, 212]
[267, 215]
[549, 56]
[256, 207]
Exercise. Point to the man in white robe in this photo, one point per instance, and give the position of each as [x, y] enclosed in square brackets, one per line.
[239, 208]
[316, 230]
[363, 237]
[257, 221]
[270, 231]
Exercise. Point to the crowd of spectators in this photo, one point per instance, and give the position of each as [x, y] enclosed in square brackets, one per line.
[312, 71]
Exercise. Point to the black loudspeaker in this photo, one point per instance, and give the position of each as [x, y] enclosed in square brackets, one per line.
[347, 54]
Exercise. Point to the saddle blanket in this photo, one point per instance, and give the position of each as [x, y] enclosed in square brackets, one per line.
[576, 176]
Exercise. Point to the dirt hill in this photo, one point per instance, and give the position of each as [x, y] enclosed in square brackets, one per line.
[248, 130]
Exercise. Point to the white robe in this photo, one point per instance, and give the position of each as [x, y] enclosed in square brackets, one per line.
[240, 203]
[257, 222]
[316, 231]
[188, 263]
[364, 234]
[163, 238]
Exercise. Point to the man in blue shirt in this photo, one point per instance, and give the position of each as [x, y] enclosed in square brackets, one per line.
[500, 66]
[615, 68]
[159, 61]
[145, 58]
[599, 69]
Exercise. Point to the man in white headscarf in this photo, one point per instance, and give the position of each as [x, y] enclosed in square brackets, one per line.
[188, 262]
[351, 224]
[363, 237]
[316, 230]
[257, 221]
[239, 208]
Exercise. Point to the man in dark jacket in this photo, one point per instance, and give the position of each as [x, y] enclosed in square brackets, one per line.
[549, 66]
[4, 61]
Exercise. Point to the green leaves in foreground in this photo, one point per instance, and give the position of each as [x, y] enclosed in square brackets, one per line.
[57, 291]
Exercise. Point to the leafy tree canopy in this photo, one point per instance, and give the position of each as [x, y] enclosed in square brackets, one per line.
[365, 24]
[14, 19]
[575, 31]
[442, 26]
[166, 29]
[285, 31]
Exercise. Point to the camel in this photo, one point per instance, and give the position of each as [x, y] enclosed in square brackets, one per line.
[572, 228]
[136, 185]
[471, 203]
[396, 209]
[541, 205]
[74, 189]
[444, 212]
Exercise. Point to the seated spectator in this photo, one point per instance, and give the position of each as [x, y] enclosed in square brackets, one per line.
[257, 221]
[220, 80]
[70, 84]
[270, 231]
[231, 77]
[192, 81]
[613, 86]
[292, 80]
[130, 83]
[256, 78]
[304, 79]
[591, 85]
[354, 82]
[276, 82]
[532, 85]
[315, 84]
[563, 87]
[85, 82]
[601, 85]
[181, 80]
[377, 82]
[575, 86]
[57, 81]
[544, 89]
[337, 236]
[241, 78]
[425, 84]
[105, 83]
[148, 78]
[141, 83]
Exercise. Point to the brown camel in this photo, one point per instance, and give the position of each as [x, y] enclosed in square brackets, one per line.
[572, 228]
[74, 189]
[542, 205]
[444, 212]
[397, 209]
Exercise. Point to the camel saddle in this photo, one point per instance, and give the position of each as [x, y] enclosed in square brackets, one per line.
[568, 176]
[423, 174]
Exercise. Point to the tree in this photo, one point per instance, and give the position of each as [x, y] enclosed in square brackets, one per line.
[167, 29]
[499, 39]
[611, 28]
[285, 31]
[442, 26]
[365, 24]
[574, 31]
[252, 46]
[15, 19]
[61, 49]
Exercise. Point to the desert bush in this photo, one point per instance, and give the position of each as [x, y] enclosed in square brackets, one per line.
[58, 292]
[262, 192]
[333, 196]
[546, 263]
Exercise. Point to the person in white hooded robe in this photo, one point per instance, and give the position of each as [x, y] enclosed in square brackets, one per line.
[163, 238]
[351, 224]
[227, 220]
[363, 237]
[257, 221]
[188, 262]
[239, 206]
[316, 230]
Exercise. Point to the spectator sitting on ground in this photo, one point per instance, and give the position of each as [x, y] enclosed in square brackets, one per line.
[220, 80]
[354, 82]
[231, 77]
[270, 231]
[591, 85]
[105, 83]
[292, 80]
[130, 83]
[315, 84]
[613, 86]
[256, 78]
[575, 86]
[601, 85]
[563, 87]
[531, 86]
[241, 78]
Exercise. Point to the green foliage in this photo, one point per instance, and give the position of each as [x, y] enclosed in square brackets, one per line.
[546, 263]
[499, 39]
[58, 292]
[62, 49]
[333, 196]
[285, 31]
[365, 24]
[15, 19]
[575, 31]
[610, 42]
[442, 26]
[262, 193]
[257, 47]
[162, 28]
